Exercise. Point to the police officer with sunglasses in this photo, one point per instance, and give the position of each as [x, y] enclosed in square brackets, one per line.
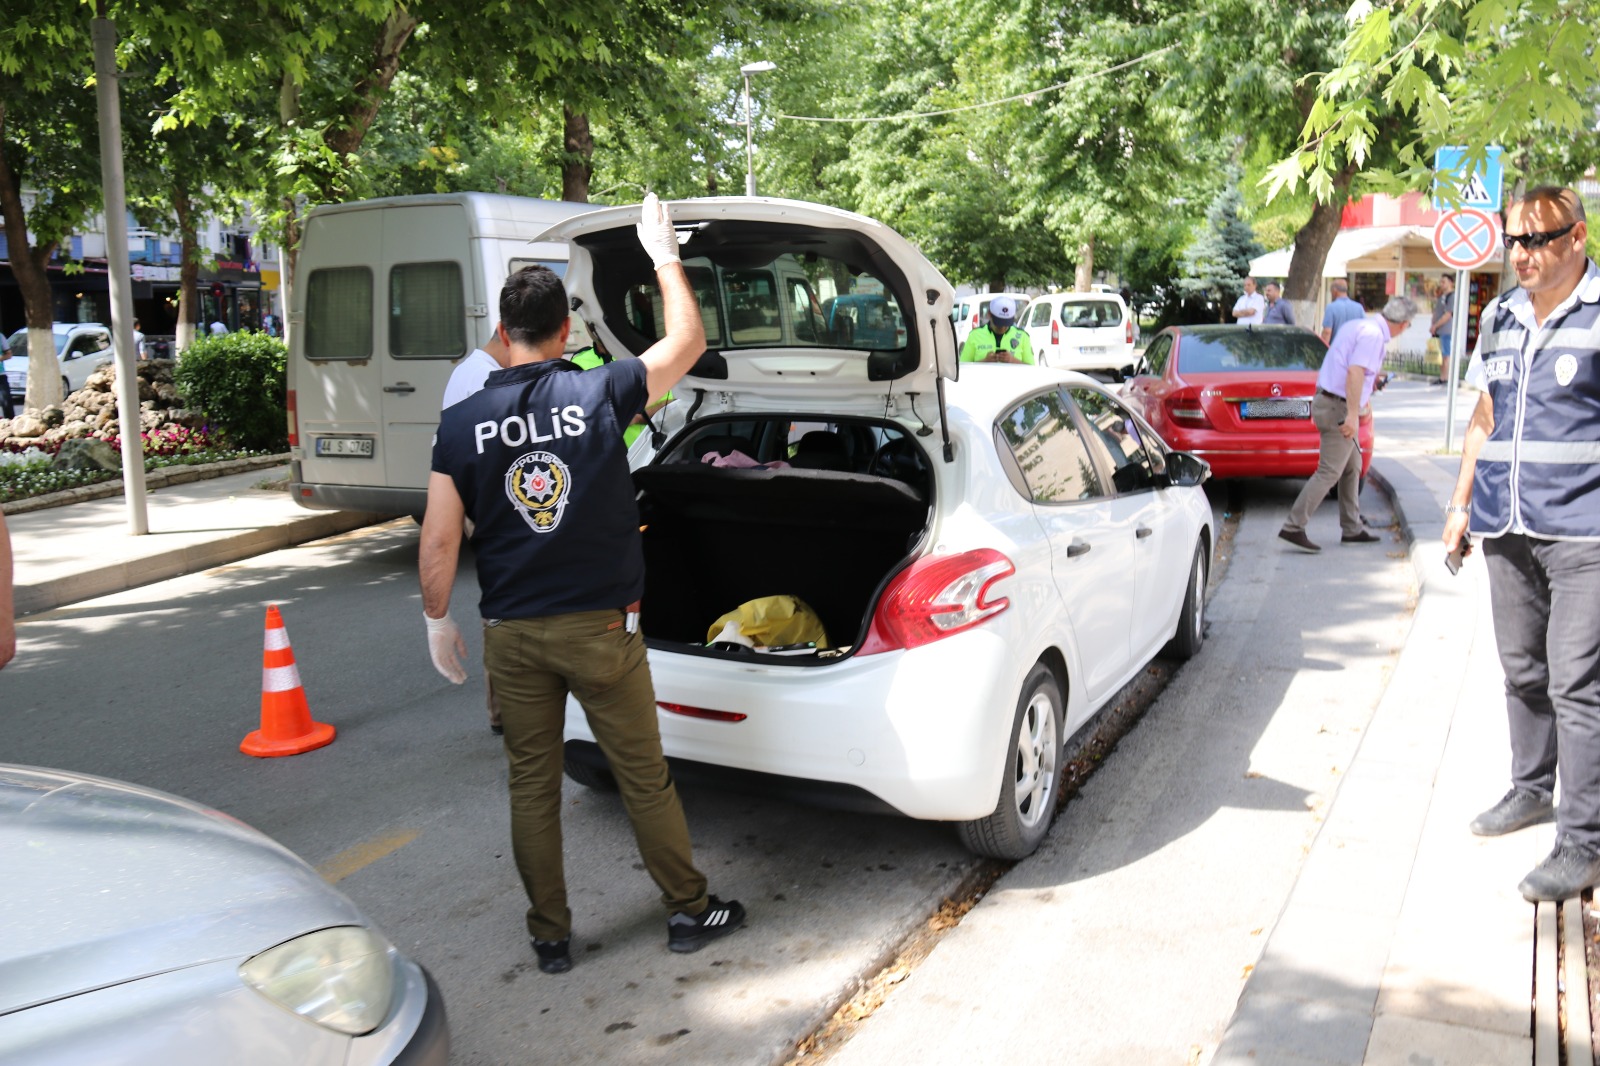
[1529, 485]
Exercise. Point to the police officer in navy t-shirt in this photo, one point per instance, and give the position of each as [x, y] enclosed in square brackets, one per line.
[536, 460]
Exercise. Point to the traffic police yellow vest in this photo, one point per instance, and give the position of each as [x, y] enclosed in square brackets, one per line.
[982, 341]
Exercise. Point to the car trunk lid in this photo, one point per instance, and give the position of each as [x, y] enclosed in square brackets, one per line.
[763, 271]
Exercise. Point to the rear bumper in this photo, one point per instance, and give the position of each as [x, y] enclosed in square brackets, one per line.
[921, 732]
[1237, 455]
[377, 499]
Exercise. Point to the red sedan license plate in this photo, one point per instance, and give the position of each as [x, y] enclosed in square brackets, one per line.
[1275, 409]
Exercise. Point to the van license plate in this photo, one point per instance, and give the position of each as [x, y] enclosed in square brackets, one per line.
[359, 447]
[1091, 350]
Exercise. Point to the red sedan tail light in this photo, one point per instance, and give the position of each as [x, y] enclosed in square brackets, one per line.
[937, 597]
[1184, 408]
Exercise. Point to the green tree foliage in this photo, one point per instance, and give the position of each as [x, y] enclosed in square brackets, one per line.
[1217, 262]
[1519, 73]
[238, 380]
[49, 145]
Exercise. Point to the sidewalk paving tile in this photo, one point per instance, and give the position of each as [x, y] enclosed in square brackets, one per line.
[1396, 1040]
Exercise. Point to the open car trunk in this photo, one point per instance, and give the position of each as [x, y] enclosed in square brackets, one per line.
[718, 536]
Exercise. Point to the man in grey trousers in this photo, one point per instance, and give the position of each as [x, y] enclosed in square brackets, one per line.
[1344, 385]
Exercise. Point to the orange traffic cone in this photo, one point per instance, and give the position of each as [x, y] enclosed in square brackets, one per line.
[286, 725]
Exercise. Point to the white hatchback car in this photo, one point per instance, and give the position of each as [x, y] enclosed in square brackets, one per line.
[990, 558]
[973, 311]
[1086, 331]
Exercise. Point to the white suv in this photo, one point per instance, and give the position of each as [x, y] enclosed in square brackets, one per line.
[1087, 331]
[81, 349]
[988, 559]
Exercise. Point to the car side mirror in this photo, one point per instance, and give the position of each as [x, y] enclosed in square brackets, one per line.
[1186, 469]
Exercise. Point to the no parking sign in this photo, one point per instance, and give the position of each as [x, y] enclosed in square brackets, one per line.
[1466, 239]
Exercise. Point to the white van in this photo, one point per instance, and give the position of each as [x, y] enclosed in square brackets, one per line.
[389, 296]
[1090, 332]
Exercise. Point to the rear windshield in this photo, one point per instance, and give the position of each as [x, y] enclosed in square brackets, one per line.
[1242, 349]
[1091, 313]
[791, 301]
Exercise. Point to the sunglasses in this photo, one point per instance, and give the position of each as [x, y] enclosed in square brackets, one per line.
[1534, 241]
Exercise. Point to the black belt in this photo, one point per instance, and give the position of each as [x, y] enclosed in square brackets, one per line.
[1330, 395]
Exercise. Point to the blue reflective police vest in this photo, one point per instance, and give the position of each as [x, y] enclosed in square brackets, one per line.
[1539, 471]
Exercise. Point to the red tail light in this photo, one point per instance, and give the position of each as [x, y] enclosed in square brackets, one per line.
[294, 420]
[1127, 337]
[1055, 332]
[938, 597]
[702, 712]
[1184, 408]
[975, 315]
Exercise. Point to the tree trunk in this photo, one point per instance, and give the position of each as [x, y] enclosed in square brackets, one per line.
[345, 138]
[997, 283]
[1085, 272]
[28, 267]
[1311, 244]
[576, 165]
[188, 269]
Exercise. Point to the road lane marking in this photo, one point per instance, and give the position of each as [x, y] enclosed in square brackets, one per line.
[352, 860]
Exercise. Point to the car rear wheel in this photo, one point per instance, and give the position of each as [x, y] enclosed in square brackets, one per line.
[1032, 781]
[66, 387]
[1192, 618]
[592, 777]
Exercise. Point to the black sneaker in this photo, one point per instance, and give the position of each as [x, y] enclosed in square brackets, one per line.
[1517, 810]
[1564, 873]
[555, 956]
[687, 933]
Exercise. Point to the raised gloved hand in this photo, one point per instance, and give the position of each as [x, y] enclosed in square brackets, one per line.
[449, 651]
[656, 233]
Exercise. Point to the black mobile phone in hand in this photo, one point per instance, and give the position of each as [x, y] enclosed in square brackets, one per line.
[1452, 561]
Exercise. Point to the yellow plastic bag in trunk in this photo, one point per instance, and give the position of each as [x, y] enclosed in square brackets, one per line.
[773, 621]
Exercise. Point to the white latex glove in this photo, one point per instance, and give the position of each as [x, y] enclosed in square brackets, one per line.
[449, 651]
[656, 233]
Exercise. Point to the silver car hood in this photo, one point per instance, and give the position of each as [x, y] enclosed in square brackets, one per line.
[103, 882]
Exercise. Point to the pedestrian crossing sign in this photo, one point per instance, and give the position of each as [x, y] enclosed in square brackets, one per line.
[1478, 188]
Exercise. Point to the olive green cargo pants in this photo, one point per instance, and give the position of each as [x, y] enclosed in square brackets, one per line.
[533, 663]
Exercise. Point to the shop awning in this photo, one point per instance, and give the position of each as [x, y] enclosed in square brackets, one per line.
[1349, 245]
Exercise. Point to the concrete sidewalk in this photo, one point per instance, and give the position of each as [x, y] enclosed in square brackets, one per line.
[71, 553]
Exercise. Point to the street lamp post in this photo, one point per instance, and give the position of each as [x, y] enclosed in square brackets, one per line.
[749, 127]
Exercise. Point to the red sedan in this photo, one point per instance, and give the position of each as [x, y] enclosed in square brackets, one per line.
[1237, 396]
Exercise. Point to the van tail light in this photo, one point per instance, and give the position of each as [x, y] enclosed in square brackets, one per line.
[937, 597]
[1184, 408]
[1127, 333]
[975, 316]
[293, 413]
[1055, 332]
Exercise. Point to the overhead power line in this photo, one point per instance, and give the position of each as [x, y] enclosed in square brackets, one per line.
[1029, 95]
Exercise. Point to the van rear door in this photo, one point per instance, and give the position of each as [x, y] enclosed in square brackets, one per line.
[332, 367]
[427, 271]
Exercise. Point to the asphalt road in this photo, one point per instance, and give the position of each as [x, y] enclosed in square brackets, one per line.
[406, 809]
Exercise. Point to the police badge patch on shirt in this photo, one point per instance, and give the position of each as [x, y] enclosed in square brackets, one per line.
[537, 486]
[1566, 369]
